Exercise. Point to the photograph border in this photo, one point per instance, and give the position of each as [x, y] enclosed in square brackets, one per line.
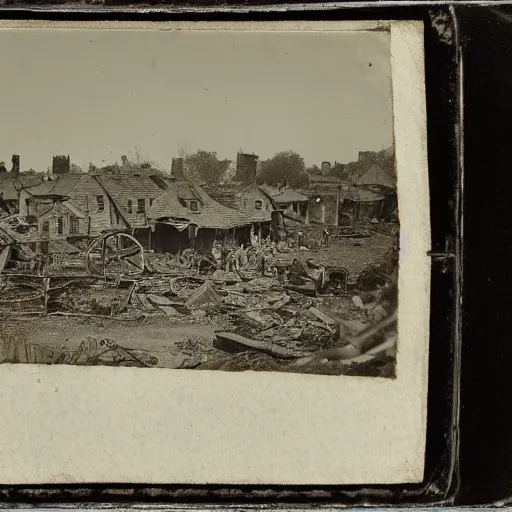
[439, 256]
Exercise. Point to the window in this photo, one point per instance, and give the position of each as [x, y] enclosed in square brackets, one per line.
[258, 204]
[73, 225]
[130, 208]
[45, 227]
[118, 219]
[151, 201]
[59, 226]
[101, 204]
[194, 206]
[141, 205]
[245, 204]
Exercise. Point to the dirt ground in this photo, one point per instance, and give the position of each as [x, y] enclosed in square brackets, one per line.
[352, 253]
[170, 338]
[158, 335]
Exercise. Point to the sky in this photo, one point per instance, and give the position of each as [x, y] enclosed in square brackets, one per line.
[97, 95]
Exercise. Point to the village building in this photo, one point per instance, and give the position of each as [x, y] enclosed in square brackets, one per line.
[284, 198]
[325, 195]
[85, 205]
[83, 191]
[372, 191]
[253, 201]
[58, 218]
[130, 197]
[185, 216]
[258, 202]
[371, 173]
[11, 184]
[10, 190]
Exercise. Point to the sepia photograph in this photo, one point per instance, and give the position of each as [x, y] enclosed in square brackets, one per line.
[213, 252]
[238, 212]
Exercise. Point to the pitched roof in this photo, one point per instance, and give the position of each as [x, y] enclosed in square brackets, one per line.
[61, 186]
[9, 183]
[228, 195]
[364, 194]
[320, 179]
[212, 214]
[124, 187]
[74, 209]
[284, 195]
[58, 207]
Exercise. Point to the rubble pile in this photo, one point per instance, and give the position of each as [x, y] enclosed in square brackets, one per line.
[268, 309]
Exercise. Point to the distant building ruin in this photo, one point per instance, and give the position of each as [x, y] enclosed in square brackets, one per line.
[15, 165]
[246, 167]
[177, 168]
[326, 168]
[61, 165]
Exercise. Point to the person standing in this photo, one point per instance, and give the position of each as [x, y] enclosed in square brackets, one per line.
[326, 238]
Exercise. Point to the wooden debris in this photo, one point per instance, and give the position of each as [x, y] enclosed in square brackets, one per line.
[145, 302]
[87, 315]
[281, 303]
[322, 316]
[390, 343]
[169, 310]
[203, 295]
[232, 343]
[158, 300]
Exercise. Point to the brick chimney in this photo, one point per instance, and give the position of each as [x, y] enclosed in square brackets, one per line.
[177, 169]
[246, 167]
[61, 164]
[15, 165]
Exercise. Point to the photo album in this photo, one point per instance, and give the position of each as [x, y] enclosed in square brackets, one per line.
[214, 243]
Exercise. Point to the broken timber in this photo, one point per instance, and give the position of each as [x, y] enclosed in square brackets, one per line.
[232, 342]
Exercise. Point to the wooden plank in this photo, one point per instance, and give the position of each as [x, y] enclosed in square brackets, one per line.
[232, 342]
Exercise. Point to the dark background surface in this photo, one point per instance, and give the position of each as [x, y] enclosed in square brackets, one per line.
[486, 415]
[485, 418]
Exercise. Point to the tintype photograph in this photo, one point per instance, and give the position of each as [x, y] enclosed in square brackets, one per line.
[221, 201]
[184, 201]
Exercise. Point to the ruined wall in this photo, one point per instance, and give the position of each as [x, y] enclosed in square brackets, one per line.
[330, 210]
[61, 165]
[246, 167]
[177, 169]
[323, 211]
[15, 165]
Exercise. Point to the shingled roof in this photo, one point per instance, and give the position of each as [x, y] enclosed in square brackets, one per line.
[283, 195]
[61, 186]
[211, 214]
[9, 183]
[228, 195]
[124, 187]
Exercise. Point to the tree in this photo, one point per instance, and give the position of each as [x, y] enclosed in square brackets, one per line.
[205, 167]
[285, 167]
